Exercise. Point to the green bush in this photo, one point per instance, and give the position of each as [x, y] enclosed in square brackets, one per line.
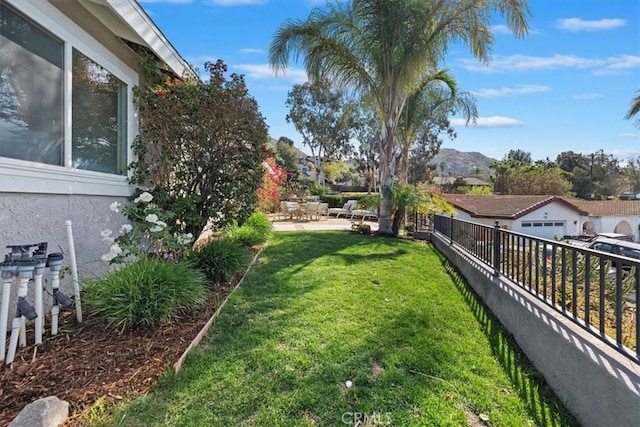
[144, 293]
[254, 231]
[260, 222]
[317, 189]
[220, 259]
[245, 235]
[334, 200]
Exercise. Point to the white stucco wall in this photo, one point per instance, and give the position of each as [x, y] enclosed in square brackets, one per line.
[550, 216]
[35, 218]
[618, 224]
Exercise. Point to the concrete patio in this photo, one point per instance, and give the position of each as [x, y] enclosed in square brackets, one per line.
[333, 223]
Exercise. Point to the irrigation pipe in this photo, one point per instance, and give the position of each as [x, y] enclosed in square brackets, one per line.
[178, 365]
[74, 272]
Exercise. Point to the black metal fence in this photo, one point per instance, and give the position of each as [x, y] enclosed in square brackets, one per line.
[597, 290]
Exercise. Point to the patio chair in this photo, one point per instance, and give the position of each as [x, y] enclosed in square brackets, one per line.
[364, 214]
[345, 210]
[288, 209]
[312, 209]
[323, 210]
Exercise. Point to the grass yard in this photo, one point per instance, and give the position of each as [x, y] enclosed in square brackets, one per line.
[324, 308]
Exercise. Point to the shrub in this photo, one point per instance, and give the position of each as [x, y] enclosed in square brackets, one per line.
[245, 235]
[144, 293]
[220, 259]
[260, 222]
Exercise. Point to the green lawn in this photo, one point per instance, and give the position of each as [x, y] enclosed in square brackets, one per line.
[324, 308]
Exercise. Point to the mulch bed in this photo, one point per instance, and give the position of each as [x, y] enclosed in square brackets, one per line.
[85, 363]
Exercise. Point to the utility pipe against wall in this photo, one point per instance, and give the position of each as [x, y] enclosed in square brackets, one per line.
[74, 271]
[59, 299]
[9, 270]
[24, 310]
[40, 257]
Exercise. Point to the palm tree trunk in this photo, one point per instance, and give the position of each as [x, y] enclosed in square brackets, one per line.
[404, 163]
[387, 171]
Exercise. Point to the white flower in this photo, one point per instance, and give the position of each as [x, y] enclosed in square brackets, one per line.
[184, 239]
[115, 207]
[348, 383]
[115, 249]
[156, 228]
[108, 240]
[106, 233]
[144, 198]
[152, 218]
[126, 228]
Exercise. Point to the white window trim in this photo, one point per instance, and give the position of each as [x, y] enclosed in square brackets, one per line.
[31, 177]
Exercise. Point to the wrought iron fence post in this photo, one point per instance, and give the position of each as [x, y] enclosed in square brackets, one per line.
[451, 230]
[496, 250]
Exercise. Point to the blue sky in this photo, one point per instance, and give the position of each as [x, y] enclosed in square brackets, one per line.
[565, 86]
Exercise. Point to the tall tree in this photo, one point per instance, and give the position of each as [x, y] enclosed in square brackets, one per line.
[383, 49]
[634, 109]
[425, 117]
[519, 156]
[322, 116]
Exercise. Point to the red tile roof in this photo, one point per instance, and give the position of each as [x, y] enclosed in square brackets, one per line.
[504, 206]
[608, 207]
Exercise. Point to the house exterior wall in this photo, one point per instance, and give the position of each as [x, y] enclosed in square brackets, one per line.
[551, 221]
[35, 198]
[610, 224]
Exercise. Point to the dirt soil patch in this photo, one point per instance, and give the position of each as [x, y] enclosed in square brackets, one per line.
[85, 362]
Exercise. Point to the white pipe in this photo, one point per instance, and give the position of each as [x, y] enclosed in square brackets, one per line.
[74, 272]
[7, 278]
[55, 308]
[39, 321]
[23, 288]
[13, 342]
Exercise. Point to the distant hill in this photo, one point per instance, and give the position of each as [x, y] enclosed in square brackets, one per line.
[460, 163]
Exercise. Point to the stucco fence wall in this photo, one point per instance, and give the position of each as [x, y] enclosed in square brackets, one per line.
[35, 218]
[597, 384]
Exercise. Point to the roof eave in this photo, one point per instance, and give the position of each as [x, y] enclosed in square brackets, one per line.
[138, 20]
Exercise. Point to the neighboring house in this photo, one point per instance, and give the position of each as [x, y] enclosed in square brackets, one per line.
[550, 217]
[610, 216]
[67, 119]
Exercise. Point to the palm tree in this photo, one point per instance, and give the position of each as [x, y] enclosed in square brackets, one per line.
[634, 110]
[383, 49]
[425, 111]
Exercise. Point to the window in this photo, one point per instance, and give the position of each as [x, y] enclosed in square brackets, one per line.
[31, 88]
[99, 117]
[33, 105]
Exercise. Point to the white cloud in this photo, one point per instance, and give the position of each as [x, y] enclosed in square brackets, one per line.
[500, 29]
[250, 50]
[577, 24]
[264, 71]
[601, 66]
[489, 122]
[509, 91]
[235, 2]
[587, 95]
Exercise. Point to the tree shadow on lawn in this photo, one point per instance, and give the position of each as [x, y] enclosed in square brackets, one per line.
[524, 377]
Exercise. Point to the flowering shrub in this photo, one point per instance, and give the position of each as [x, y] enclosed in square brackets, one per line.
[149, 233]
[200, 148]
[273, 179]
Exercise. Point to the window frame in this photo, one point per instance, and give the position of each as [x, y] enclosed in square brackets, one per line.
[32, 177]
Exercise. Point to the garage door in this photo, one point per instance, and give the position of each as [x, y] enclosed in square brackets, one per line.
[544, 229]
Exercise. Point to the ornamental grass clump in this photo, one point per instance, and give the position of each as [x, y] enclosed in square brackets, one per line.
[260, 222]
[220, 259]
[145, 293]
[256, 230]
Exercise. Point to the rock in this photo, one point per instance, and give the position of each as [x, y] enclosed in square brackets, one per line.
[46, 412]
